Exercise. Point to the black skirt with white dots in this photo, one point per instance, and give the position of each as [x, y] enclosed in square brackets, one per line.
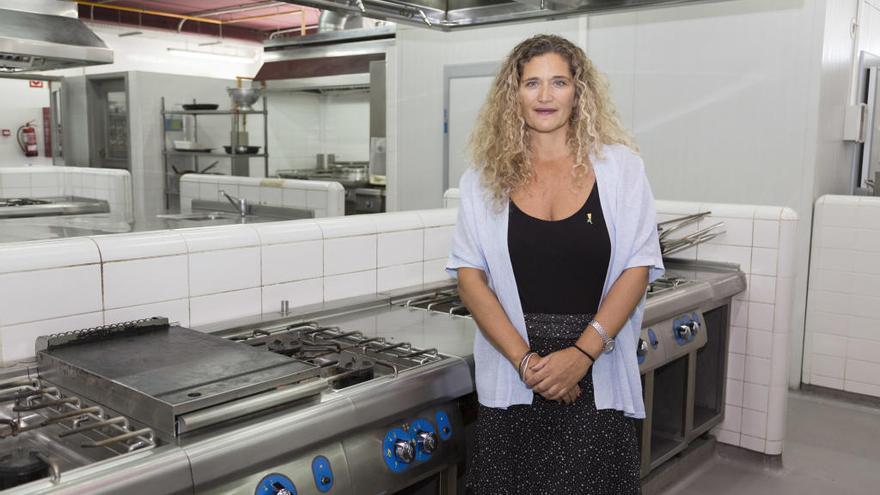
[553, 448]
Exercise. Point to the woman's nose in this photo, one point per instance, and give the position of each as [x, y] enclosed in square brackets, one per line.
[544, 93]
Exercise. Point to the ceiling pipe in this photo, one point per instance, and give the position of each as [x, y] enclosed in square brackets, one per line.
[239, 8]
[184, 18]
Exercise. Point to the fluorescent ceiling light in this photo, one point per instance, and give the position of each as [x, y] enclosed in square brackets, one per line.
[184, 52]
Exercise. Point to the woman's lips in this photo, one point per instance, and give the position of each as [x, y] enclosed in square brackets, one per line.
[545, 111]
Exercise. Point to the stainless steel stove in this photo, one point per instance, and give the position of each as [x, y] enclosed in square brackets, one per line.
[682, 351]
[294, 405]
[370, 395]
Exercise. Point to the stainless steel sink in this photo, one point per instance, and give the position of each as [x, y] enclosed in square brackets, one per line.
[200, 216]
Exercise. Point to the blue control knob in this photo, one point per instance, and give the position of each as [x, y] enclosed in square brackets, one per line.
[684, 330]
[652, 338]
[444, 427]
[642, 350]
[275, 484]
[322, 473]
[398, 450]
[425, 439]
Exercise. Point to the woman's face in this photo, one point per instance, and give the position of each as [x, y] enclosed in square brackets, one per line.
[546, 93]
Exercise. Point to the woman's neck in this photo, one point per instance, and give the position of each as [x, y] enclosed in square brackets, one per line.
[550, 147]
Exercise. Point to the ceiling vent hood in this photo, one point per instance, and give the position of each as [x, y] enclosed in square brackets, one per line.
[328, 53]
[447, 15]
[38, 35]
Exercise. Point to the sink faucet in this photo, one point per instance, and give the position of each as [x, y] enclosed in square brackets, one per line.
[240, 204]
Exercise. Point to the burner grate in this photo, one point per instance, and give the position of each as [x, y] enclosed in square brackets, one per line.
[22, 202]
[347, 357]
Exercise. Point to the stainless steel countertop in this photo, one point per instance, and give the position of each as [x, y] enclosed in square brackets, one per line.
[56, 227]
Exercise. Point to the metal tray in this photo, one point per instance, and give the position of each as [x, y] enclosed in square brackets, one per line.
[154, 372]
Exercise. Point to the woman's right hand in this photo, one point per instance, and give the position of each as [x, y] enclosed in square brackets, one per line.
[568, 398]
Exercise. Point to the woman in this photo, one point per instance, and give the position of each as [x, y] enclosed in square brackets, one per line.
[554, 246]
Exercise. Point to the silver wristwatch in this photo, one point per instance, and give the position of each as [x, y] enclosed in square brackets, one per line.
[607, 342]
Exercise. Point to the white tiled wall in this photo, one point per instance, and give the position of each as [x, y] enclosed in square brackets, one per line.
[762, 241]
[842, 340]
[326, 198]
[111, 185]
[199, 276]
[204, 275]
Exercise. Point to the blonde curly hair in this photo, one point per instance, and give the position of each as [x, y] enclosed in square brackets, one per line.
[499, 143]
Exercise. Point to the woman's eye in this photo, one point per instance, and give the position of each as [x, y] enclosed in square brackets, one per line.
[559, 83]
[531, 84]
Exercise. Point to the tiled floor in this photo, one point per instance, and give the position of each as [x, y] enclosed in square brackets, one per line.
[830, 448]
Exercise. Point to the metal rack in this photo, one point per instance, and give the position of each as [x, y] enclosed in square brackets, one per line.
[172, 183]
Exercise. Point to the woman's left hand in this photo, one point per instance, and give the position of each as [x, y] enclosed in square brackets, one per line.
[555, 374]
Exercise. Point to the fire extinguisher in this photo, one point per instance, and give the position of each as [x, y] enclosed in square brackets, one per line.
[27, 140]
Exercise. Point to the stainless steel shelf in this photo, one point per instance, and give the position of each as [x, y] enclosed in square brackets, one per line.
[213, 112]
[212, 153]
[172, 180]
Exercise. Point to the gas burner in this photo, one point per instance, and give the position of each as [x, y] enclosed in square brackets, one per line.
[20, 466]
[23, 202]
[344, 358]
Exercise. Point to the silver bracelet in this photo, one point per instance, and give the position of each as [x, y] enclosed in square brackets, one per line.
[524, 363]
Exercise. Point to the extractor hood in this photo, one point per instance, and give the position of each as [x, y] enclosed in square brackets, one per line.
[38, 35]
[327, 54]
[447, 15]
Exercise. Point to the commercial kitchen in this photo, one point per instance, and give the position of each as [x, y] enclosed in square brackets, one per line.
[224, 226]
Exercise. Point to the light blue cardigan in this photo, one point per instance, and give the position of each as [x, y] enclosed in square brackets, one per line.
[480, 241]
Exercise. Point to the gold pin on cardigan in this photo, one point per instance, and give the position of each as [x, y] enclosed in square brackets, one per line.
[590, 218]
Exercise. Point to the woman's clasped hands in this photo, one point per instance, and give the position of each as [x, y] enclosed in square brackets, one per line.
[556, 375]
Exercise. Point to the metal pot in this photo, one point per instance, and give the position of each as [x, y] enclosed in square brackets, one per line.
[353, 174]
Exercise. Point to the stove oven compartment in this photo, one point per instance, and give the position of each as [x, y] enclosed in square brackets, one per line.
[710, 373]
[683, 380]
[669, 407]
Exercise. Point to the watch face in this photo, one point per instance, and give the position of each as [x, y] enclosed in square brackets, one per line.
[609, 345]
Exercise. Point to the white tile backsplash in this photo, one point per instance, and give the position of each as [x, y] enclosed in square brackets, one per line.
[17, 341]
[741, 255]
[737, 341]
[177, 311]
[293, 261]
[754, 423]
[755, 396]
[435, 271]
[766, 234]
[757, 370]
[438, 242]
[39, 255]
[399, 276]
[842, 324]
[120, 247]
[398, 248]
[759, 343]
[224, 306]
[46, 294]
[349, 285]
[862, 371]
[764, 261]
[211, 272]
[299, 293]
[157, 279]
[349, 254]
[215, 238]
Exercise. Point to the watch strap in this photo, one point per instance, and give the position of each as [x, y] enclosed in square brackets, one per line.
[606, 340]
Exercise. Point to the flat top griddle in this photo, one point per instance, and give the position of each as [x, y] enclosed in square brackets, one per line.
[154, 371]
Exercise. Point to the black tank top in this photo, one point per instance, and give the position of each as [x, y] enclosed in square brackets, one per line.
[560, 266]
